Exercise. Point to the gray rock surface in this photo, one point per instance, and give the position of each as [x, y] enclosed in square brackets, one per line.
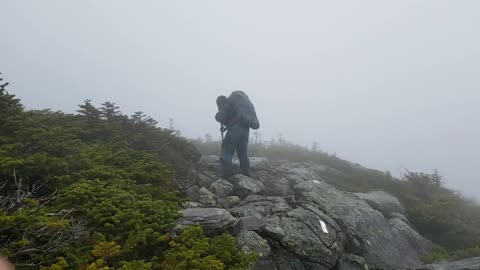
[250, 223]
[278, 187]
[467, 264]
[379, 245]
[262, 264]
[304, 232]
[351, 262]
[300, 233]
[383, 202]
[256, 163]
[205, 180]
[250, 241]
[401, 217]
[245, 186]
[212, 220]
[206, 197]
[221, 188]
[403, 230]
[193, 193]
[231, 201]
[259, 205]
[191, 205]
[212, 161]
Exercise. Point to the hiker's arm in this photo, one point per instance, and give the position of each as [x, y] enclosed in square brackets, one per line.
[221, 116]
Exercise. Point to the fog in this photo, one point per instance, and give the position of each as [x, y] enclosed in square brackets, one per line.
[388, 84]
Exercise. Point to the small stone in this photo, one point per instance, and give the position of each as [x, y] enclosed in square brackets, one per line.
[190, 205]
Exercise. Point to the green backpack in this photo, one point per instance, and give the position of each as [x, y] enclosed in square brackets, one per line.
[245, 109]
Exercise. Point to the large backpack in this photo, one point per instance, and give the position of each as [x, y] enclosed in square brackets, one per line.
[244, 107]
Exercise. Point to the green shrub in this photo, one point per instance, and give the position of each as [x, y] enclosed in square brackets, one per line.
[192, 250]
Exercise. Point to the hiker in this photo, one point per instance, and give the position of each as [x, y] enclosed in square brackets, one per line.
[236, 115]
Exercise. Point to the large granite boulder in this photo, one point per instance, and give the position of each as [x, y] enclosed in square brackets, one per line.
[245, 186]
[366, 228]
[221, 188]
[212, 220]
[467, 264]
[383, 202]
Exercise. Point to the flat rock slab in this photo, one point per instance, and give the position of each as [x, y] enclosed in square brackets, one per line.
[212, 220]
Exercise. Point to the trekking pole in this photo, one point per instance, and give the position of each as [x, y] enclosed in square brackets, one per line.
[222, 130]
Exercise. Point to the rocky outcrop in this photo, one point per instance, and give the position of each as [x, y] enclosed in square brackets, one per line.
[383, 202]
[377, 242]
[467, 264]
[289, 215]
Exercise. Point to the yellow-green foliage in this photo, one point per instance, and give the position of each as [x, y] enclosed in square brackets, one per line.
[106, 250]
[192, 250]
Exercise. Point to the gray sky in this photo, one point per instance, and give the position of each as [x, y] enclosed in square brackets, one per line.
[388, 84]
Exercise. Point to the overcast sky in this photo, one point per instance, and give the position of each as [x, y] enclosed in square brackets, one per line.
[387, 84]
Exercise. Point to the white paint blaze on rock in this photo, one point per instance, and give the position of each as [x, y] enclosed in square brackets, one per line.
[324, 226]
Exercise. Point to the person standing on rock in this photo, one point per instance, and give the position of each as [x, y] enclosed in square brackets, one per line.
[236, 115]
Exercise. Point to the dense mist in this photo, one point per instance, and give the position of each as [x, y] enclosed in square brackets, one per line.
[391, 85]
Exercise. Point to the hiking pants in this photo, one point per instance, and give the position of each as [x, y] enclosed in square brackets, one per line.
[236, 139]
